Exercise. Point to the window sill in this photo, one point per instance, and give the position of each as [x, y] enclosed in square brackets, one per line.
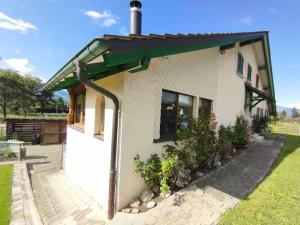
[240, 74]
[165, 139]
[75, 127]
[99, 136]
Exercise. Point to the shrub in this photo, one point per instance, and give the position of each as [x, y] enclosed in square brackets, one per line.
[197, 141]
[150, 171]
[9, 153]
[241, 133]
[167, 171]
[225, 139]
[2, 135]
[260, 124]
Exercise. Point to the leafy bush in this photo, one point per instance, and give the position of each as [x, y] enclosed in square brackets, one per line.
[150, 170]
[225, 139]
[260, 124]
[15, 136]
[241, 133]
[167, 171]
[2, 135]
[9, 153]
[197, 141]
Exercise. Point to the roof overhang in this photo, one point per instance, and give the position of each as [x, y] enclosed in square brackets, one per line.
[113, 54]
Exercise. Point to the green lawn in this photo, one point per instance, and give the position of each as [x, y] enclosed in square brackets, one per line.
[277, 199]
[6, 172]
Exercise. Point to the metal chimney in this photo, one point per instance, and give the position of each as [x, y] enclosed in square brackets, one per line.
[135, 17]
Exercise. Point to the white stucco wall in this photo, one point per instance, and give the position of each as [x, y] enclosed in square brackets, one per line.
[206, 74]
[87, 157]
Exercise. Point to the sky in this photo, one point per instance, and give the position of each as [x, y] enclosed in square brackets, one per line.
[39, 36]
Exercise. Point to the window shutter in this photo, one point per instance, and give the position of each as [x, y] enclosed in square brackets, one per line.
[240, 63]
[249, 72]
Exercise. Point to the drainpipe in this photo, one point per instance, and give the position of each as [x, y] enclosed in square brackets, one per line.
[112, 178]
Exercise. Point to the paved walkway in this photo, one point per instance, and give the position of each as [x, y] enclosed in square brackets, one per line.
[205, 200]
[23, 206]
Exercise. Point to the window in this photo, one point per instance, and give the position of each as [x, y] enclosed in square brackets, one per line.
[258, 112]
[79, 104]
[100, 116]
[175, 110]
[248, 96]
[257, 81]
[204, 107]
[249, 73]
[240, 64]
[266, 113]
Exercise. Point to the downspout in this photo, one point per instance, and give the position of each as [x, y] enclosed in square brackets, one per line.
[112, 178]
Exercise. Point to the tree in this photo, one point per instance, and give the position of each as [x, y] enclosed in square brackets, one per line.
[295, 112]
[284, 113]
[10, 88]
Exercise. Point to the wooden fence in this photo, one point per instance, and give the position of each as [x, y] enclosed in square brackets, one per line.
[49, 131]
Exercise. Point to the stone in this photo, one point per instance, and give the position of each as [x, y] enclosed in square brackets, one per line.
[199, 174]
[182, 176]
[146, 196]
[135, 211]
[151, 205]
[135, 203]
[127, 210]
[218, 164]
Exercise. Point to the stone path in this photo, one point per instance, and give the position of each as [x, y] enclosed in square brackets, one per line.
[204, 201]
[23, 208]
[59, 201]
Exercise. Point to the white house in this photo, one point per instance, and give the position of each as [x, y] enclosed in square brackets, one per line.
[126, 92]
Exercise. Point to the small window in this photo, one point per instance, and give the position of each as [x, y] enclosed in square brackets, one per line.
[258, 112]
[175, 110]
[79, 105]
[257, 81]
[261, 113]
[248, 96]
[249, 73]
[240, 64]
[100, 116]
[204, 107]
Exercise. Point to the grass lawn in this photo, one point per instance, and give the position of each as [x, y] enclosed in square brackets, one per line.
[277, 199]
[6, 172]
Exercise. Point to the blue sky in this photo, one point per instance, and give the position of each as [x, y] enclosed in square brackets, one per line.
[39, 36]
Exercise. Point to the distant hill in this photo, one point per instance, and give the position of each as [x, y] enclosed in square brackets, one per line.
[283, 108]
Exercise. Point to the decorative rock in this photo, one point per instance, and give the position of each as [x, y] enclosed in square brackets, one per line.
[127, 210]
[151, 205]
[199, 174]
[146, 196]
[218, 164]
[135, 203]
[135, 211]
[234, 151]
[182, 176]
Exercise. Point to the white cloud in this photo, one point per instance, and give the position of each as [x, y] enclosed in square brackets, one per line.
[9, 23]
[21, 65]
[274, 10]
[294, 66]
[292, 105]
[245, 20]
[124, 31]
[105, 18]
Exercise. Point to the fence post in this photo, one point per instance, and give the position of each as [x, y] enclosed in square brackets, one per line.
[22, 153]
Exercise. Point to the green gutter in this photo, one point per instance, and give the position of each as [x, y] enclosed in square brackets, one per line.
[94, 49]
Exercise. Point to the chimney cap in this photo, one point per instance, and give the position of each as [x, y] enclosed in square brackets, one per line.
[136, 3]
